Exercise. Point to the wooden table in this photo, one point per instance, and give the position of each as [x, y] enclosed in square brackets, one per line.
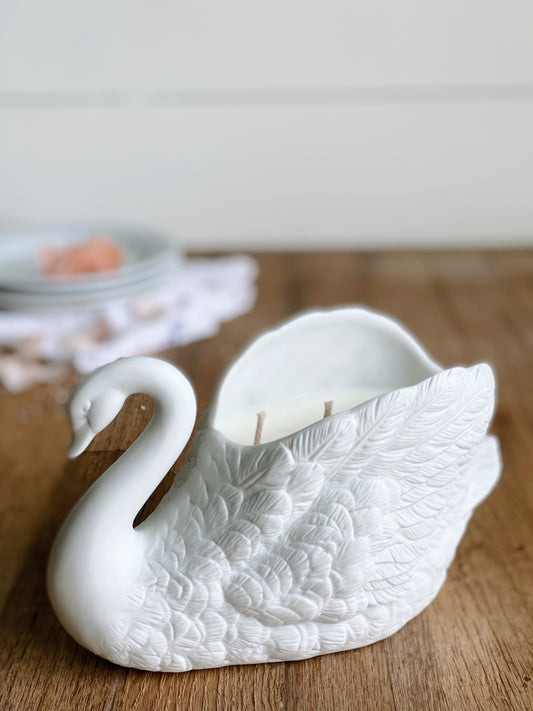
[471, 649]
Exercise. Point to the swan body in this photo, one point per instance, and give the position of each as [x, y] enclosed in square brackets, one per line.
[326, 539]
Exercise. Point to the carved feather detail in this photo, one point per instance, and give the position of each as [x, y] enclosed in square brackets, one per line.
[328, 539]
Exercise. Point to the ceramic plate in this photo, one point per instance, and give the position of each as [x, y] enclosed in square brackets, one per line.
[145, 255]
[33, 301]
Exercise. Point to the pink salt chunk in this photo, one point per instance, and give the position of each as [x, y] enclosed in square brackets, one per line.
[97, 254]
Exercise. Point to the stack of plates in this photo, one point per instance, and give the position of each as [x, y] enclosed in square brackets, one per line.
[149, 261]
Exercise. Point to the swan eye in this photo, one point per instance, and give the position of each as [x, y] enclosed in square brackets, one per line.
[86, 407]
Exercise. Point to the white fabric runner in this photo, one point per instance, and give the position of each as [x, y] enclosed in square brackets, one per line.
[204, 293]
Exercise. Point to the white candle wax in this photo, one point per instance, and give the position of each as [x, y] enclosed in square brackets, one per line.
[285, 417]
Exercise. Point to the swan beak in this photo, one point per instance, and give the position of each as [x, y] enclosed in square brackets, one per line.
[81, 439]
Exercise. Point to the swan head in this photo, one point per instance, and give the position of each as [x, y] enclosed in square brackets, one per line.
[95, 403]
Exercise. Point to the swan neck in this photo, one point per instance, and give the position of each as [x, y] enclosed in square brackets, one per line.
[143, 465]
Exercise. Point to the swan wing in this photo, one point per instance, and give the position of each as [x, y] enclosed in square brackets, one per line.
[329, 539]
[381, 516]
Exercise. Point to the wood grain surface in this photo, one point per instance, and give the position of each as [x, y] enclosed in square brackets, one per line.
[471, 649]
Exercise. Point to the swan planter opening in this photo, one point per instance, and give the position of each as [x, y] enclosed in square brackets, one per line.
[329, 533]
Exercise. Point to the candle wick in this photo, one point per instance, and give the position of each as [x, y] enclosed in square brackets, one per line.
[259, 427]
[328, 408]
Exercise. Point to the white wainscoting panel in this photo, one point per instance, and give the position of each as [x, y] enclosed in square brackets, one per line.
[287, 123]
[117, 45]
[278, 177]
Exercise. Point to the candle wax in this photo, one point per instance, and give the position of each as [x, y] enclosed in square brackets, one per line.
[285, 417]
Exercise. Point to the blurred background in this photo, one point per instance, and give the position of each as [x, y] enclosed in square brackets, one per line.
[275, 125]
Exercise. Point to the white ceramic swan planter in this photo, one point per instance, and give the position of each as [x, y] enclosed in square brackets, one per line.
[320, 540]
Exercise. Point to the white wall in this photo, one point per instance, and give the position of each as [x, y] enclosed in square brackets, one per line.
[280, 124]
